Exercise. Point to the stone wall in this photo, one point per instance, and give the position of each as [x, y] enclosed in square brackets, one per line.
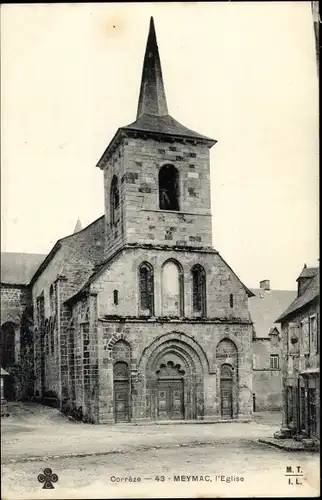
[14, 300]
[136, 163]
[70, 267]
[267, 382]
[267, 388]
[75, 260]
[83, 358]
[199, 340]
[16, 311]
[114, 234]
[122, 275]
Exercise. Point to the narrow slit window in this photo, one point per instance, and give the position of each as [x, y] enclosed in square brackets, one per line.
[146, 284]
[116, 297]
[231, 300]
[198, 290]
[51, 300]
[115, 201]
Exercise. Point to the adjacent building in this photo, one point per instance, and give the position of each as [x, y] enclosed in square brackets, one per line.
[137, 316]
[265, 306]
[300, 324]
[16, 335]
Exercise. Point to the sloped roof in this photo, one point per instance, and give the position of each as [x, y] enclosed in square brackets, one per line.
[3, 372]
[78, 226]
[307, 272]
[88, 243]
[152, 98]
[18, 268]
[165, 125]
[310, 293]
[153, 118]
[152, 114]
[24, 268]
[266, 306]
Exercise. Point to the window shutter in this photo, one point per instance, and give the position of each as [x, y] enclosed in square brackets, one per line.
[313, 334]
[306, 338]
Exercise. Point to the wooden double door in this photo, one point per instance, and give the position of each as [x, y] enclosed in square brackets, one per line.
[170, 401]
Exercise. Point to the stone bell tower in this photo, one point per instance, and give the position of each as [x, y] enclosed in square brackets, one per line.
[156, 173]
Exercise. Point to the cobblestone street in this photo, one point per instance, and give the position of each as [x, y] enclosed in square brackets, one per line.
[153, 454]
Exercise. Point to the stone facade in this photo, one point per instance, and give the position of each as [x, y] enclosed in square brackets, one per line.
[190, 339]
[136, 165]
[267, 380]
[137, 317]
[265, 306]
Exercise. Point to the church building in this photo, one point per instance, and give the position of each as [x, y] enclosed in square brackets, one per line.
[137, 317]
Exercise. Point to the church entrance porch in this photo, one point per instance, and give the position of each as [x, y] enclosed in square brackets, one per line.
[170, 381]
[171, 389]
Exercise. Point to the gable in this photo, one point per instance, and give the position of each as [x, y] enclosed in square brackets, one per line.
[310, 294]
[266, 306]
[73, 257]
[120, 273]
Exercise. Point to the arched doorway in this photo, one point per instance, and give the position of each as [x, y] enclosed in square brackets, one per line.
[121, 391]
[226, 391]
[227, 373]
[170, 395]
[171, 371]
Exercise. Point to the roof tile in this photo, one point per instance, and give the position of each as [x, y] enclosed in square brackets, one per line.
[18, 268]
[164, 125]
[310, 293]
[266, 306]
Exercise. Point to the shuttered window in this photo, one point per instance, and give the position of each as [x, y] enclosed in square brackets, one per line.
[313, 334]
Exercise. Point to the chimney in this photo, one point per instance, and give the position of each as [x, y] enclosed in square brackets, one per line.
[265, 285]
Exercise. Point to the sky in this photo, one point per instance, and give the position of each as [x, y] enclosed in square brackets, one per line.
[242, 73]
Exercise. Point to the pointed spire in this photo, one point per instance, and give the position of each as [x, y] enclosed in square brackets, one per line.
[78, 226]
[152, 100]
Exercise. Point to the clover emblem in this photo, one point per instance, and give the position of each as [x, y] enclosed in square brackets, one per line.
[48, 478]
